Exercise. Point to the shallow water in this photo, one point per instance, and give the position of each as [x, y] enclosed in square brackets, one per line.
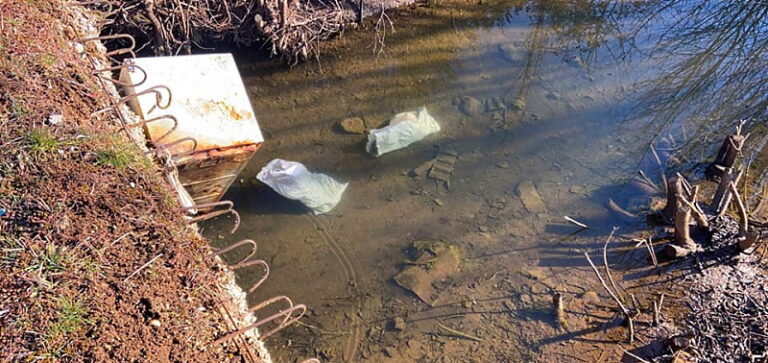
[578, 136]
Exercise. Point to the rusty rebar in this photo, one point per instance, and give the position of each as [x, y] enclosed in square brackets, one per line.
[158, 96]
[126, 50]
[213, 214]
[253, 263]
[236, 245]
[158, 118]
[131, 66]
[288, 319]
[157, 148]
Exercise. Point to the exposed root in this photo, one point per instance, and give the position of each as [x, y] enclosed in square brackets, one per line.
[294, 29]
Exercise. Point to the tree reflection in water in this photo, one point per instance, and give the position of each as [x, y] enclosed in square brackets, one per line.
[715, 54]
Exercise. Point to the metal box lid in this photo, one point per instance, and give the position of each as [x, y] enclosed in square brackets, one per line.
[208, 99]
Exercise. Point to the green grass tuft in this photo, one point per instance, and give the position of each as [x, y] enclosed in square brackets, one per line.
[10, 248]
[42, 142]
[53, 260]
[70, 318]
[119, 159]
[18, 110]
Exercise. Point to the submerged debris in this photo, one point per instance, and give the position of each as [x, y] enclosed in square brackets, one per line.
[353, 125]
[436, 261]
[530, 197]
[404, 129]
[469, 105]
[292, 180]
[442, 166]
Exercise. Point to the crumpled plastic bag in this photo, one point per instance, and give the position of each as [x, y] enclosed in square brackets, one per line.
[404, 129]
[292, 180]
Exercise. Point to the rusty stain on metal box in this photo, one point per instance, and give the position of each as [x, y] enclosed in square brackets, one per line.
[211, 106]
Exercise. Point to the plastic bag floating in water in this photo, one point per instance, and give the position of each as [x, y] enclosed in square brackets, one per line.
[404, 129]
[292, 180]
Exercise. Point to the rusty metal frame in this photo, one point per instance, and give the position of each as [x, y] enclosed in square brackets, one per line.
[287, 314]
[241, 343]
[215, 213]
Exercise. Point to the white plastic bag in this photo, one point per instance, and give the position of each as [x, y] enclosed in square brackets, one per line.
[292, 180]
[404, 129]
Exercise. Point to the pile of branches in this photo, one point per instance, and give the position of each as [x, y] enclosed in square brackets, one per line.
[293, 28]
[729, 319]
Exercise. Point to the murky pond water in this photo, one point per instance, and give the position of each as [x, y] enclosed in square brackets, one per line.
[538, 101]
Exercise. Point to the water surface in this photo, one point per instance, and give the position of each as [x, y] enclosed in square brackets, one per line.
[575, 78]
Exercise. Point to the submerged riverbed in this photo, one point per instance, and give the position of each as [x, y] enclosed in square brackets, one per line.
[547, 110]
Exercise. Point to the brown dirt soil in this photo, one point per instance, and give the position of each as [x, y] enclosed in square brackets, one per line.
[84, 211]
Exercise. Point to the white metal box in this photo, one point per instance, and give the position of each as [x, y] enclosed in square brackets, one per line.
[211, 107]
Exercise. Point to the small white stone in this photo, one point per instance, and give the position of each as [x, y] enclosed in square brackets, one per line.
[55, 119]
[155, 323]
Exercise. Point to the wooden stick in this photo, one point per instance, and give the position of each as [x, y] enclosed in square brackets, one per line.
[634, 355]
[722, 199]
[283, 13]
[361, 10]
[649, 244]
[620, 212]
[683, 228]
[674, 189]
[686, 185]
[657, 310]
[661, 301]
[602, 281]
[458, 333]
[701, 220]
[661, 167]
[743, 214]
[569, 219]
[559, 308]
[648, 181]
[142, 267]
[605, 262]
[694, 198]
[727, 154]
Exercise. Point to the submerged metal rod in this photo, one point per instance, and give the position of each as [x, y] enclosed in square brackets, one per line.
[231, 247]
[254, 263]
[288, 319]
[228, 204]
